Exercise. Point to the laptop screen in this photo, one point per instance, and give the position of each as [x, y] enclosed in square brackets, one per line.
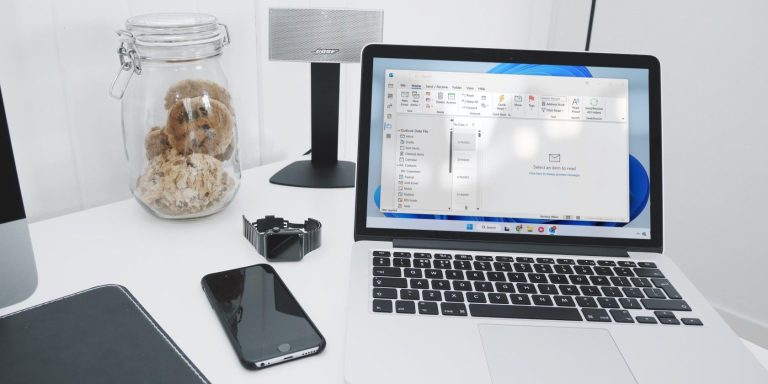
[508, 148]
[13, 207]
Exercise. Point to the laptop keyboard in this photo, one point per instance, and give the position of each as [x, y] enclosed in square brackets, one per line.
[572, 289]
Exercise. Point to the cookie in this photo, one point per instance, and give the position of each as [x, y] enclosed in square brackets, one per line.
[200, 125]
[187, 89]
[156, 142]
[178, 185]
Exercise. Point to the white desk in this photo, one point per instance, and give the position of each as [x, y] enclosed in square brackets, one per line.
[161, 262]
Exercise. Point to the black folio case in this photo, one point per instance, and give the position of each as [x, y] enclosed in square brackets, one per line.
[100, 335]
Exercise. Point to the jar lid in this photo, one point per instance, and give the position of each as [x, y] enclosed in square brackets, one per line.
[176, 29]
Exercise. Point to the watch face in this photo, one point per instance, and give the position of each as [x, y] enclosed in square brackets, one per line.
[284, 246]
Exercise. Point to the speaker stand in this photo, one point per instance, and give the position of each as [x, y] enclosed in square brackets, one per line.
[324, 170]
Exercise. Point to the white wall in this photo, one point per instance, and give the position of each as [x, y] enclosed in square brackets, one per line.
[713, 57]
[57, 59]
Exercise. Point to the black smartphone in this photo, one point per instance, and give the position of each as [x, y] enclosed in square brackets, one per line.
[264, 322]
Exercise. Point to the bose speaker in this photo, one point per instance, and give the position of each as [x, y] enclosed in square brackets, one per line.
[322, 35]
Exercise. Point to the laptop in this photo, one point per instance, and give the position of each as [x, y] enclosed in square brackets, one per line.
[508, 226]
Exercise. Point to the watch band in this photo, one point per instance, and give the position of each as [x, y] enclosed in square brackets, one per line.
[256, 232]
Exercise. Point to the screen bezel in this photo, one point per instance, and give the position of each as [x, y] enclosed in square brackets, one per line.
[10, 193]
[363, 232]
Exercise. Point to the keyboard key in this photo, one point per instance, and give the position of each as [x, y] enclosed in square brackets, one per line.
[462, 264]
[545, 260]
[583, 270]
[463, 257]
[381, 253]
[607, 302]
[443, 256]
[505, 258]
[564, 301]
[646, 320]
[442, 264]
[640, 282]
[413, 273]
[524, 259]
[453, 309]
[381, 262]
[401, 262]
[441, 284]
[558, 279]
[519, 299]
[419, 283]
[524, 312]
[382, 306]
[571, 290]
[495, 276]
[667, 287]
[483, 286]
[664, 313]
[428, 308]
[497, 298]
[484, 258]
[482, 265]
[621, 316]
[566, 261]
[590, 291]
[505, 287]
[402, 254]
[405, 306]
[433, 273]
[665, 305]
[537, 278]
[422, 263]
[526, 288]
[391, 282]
[475, 275]
[523, 267]
[586, 302]
[384, 293]
[454, 275]
[630, 303]
[648, 272]
[386, 271]
[578, 279]
[409, 294]
[585, 262]
[691, 321]
[604, 271]
[669, 320]
[606, 263]
[564, 269]
[627, 264]
[620, 281]
[654, 293]
[476, 297]
[422, 255]
[633, 292]
[543, 268]
[599, 280]
[542, 300]
[430, 295]
[454, 296]
[547, 289]
[461, 285]
[504, 267]
[516, 277]
[622, 271]
[600, 315]
[611, 292]
[646, 264]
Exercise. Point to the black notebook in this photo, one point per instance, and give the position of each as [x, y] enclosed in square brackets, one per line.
[100, 335]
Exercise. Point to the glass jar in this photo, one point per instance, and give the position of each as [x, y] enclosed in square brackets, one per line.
[179, 126]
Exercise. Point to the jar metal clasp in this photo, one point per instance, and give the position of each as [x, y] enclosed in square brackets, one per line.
[130, 63]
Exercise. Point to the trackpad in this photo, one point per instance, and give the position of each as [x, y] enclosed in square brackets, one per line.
[543, 355]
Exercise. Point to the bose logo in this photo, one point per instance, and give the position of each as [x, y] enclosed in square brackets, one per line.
[321, 51]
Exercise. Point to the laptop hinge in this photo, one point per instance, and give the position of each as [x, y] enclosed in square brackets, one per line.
[489, 246]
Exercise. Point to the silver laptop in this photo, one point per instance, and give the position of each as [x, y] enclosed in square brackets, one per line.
[508, 227]
[18, 275]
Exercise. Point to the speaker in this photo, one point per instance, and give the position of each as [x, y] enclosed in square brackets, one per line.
[325, 38]
[322, 35]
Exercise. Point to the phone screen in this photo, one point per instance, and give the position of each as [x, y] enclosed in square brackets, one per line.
[262, 317]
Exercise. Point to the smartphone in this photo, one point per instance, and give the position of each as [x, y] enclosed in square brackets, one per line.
[264, 322]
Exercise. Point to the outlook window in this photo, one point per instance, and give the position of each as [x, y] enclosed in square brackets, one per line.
[502, 145]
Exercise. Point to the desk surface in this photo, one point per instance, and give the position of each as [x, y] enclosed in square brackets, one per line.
[161, 262]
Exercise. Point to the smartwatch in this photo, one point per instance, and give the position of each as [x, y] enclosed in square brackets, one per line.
[279, 240]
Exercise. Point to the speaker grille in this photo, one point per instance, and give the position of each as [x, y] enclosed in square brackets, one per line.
[322, 35]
